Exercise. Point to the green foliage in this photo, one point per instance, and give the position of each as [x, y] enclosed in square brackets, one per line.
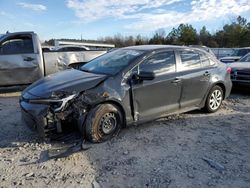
[185, 34]
[159, 37]
[235, 34]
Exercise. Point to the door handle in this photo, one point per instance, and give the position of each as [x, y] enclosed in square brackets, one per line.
[206, 73]
[28, 59]
[176, 81]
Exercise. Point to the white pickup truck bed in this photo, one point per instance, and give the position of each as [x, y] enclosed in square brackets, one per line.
[57, 61]
[22, 60]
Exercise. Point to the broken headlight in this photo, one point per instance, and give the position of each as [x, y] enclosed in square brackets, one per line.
[58, 101]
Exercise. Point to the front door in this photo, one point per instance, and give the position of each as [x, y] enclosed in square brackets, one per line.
[153, 98]
[18, 61]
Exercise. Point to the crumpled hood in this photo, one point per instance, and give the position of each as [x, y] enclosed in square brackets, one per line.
[239, 65]
[69, 81]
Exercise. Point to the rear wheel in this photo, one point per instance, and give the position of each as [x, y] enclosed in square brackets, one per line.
[103, 122]
[214, 99]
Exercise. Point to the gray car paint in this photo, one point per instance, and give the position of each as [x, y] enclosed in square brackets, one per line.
[68, 81]
[138, 102]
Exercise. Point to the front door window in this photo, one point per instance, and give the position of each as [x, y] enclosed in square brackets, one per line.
[22, 44]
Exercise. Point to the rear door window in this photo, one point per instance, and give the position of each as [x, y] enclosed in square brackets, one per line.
[190, 60]
[22, 44]
[159, 63]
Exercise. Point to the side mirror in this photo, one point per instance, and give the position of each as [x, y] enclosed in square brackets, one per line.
[144, 76]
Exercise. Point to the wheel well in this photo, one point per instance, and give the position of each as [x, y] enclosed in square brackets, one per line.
[119, 106]
[222, 87]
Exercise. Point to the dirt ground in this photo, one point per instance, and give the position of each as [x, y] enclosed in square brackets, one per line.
[188, 150]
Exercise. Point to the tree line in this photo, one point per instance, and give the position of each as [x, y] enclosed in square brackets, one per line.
[232, 35]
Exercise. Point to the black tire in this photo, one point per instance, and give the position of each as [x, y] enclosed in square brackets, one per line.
[208, 105]
[97, 127]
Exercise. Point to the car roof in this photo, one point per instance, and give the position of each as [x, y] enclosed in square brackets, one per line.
[157, 47]
[19, 33]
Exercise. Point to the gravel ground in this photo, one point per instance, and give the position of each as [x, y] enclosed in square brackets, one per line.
[187, 150]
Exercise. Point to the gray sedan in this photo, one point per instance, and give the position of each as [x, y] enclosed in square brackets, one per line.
[127, 86]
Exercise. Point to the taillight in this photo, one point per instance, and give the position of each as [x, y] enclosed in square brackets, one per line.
[229, 70]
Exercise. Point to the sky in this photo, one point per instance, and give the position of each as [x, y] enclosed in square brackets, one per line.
[92, 19]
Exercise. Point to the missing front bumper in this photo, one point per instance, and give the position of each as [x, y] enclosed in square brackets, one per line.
[38, 118]
[47, 124]
[35, 123]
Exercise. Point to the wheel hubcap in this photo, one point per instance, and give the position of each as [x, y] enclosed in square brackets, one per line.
[215, 100]
[108, 123]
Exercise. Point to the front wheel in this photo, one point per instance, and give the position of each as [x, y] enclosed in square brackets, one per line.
[103, 122]
[214, 99]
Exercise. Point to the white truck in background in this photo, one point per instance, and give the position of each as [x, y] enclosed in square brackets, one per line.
[22, 60]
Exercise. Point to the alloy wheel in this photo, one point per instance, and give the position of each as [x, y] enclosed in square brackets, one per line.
[215, 99]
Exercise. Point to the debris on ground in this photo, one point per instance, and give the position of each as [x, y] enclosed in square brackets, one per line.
[187, 150]
[66, 151]
[217, 166]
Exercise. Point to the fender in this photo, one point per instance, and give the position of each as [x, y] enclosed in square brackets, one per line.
[220, 83]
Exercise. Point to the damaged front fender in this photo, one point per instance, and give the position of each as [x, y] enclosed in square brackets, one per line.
[61, 111]
[77, 109]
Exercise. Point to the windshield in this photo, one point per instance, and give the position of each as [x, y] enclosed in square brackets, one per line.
[241, 52]
[113, 62]
[246, 58]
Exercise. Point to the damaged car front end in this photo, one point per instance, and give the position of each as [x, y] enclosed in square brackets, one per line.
[47, 115]
[73, 97]
[57, 110]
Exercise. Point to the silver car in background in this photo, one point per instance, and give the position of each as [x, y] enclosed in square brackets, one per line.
[240, 74]
[236, 56]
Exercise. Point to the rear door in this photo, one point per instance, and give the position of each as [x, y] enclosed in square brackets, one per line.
[194, 68]
[159, 96]
[19, 63]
